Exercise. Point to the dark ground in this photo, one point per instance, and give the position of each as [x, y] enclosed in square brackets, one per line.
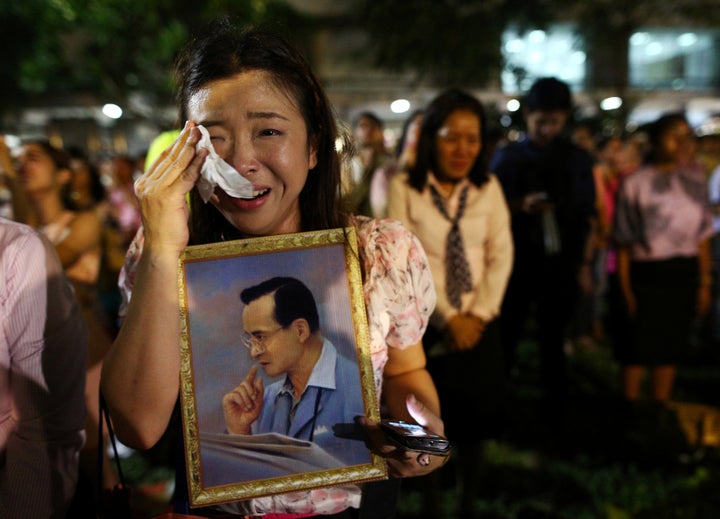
[607, 460]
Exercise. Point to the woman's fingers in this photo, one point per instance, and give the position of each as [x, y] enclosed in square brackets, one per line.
[162, 191]
[179, 164]
[424, 416]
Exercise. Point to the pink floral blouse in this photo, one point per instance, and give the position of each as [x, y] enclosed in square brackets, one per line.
[399, 298]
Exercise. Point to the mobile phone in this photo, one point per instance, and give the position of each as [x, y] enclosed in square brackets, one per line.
[414, 437]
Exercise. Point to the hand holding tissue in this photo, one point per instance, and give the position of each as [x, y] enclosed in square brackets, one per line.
[216, 172]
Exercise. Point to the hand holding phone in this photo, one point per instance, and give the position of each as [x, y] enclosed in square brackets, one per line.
[414, 437]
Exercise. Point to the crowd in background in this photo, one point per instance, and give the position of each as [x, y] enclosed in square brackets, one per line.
[602, 236]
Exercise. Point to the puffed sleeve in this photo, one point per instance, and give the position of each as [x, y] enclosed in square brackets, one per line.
[399, 289]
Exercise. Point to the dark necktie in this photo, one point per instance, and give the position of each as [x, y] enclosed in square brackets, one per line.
[457, 270]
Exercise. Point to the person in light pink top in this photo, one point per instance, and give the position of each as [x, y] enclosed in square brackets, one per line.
[43, 348]
[663, 225]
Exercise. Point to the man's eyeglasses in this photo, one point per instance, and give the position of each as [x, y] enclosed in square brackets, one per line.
[257, 340]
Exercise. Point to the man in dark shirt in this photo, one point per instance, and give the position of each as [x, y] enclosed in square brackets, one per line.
[549, 187]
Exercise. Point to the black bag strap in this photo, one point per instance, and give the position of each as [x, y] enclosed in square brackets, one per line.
[105, 416]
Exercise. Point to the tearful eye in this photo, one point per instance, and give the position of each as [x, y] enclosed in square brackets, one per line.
[270, 132]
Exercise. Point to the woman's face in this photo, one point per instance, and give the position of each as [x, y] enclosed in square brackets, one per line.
[81, 180]
[38, 171]
[677, 143]
[458, 146]
[258, 129]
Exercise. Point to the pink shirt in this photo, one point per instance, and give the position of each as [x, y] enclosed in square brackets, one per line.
[43, 349]
[662, 215]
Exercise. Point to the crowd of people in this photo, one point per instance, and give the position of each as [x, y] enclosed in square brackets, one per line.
[468, 245]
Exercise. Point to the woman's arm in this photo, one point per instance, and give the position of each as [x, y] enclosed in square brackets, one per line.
[84, 236]
[409, 394]
[141, 372]
[706, 278]
[404, 374]
[623, 273]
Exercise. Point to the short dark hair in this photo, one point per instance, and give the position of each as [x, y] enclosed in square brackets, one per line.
[293, 300]
[434, 117]
[548, 94]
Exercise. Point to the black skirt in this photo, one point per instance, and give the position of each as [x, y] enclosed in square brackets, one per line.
[472, 386]
[666, 295]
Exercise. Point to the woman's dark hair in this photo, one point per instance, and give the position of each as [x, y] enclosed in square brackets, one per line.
[293, 300]
[399, 147]
[548, 94]
[97, 188]
[435, 115]
[222, 51]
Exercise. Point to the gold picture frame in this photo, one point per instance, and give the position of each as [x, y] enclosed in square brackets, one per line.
[225, 467]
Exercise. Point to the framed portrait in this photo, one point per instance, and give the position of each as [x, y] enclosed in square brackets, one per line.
[275, 365]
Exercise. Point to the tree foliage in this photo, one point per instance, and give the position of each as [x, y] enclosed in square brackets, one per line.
[448, 41]
[107, 48]
[459, 40]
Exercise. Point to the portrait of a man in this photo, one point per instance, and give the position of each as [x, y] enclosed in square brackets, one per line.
[277, 378]
[310, 401]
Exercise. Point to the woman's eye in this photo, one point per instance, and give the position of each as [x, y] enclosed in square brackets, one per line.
[269, 132]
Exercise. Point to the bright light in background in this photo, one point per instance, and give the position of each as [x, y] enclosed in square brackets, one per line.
[687, 39]
[513, 105]
[578, 57]
[112, 111]
[339, 144]
[639, 38]
[536, 36]
[12, 141]
[536, 57]
[611, 103]
[516, 45]
[654, 48]
[537, 53]
[400, 106]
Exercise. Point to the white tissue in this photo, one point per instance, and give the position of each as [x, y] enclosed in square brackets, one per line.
[216, 172]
